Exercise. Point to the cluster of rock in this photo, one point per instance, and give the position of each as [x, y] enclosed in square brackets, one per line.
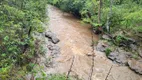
[118, 55]
[136, 65]
[52, 48]
[48, 41]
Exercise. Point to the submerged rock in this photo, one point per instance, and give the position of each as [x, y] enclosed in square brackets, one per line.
[52, 36]
[135, 65]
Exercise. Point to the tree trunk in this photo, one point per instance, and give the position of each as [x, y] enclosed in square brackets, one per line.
[99, 11]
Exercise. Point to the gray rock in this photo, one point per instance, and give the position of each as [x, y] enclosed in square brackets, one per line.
[133, 47]
[106, 37]
[55, 40]
[120, 56]
[135, 65]
[117, 57]
[52, 36]
[102, 46]
[53, 48]
[56, 50]
[133, 41]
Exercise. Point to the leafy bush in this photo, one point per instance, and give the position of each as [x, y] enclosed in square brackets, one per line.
[108, 51]
[18, 21]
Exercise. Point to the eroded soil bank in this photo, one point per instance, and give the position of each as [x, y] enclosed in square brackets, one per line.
[75, 46]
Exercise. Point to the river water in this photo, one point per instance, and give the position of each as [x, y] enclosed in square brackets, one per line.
[75, 44]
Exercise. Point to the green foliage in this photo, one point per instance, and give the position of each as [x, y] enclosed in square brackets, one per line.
[124, 16]
[108, 51]
[39, 70]
[138, 29]
[120, 39]
[19, 19]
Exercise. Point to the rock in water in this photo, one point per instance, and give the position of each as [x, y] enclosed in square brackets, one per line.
[52, 36]
[135, 65]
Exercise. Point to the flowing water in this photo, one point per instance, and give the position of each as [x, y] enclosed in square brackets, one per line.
[76, 43]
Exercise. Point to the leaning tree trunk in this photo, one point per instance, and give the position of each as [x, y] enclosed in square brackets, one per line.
[99, 11]
[99, 27]
[108, 17]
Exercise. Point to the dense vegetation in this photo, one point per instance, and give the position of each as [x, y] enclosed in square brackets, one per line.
[19, 19]
[111, 15]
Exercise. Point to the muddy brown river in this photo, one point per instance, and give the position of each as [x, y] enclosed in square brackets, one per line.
[75, 44]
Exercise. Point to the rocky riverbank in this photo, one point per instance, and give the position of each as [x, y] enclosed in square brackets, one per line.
[126, 53]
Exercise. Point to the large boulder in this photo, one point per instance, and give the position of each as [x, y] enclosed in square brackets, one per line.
[52, 37]
[120, 56]
[135, 65]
